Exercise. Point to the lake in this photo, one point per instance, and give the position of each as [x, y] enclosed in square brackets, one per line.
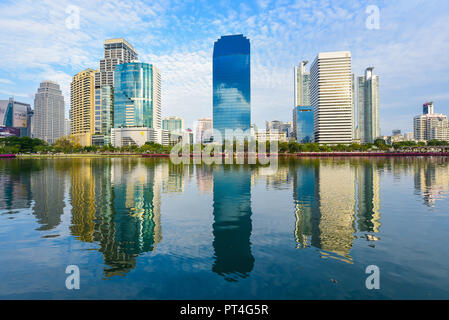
[148, 229]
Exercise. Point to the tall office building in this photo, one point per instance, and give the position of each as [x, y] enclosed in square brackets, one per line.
[173, 124]
[15, 118]
[430, 125]
[49, 112]
[368, 106]
[331, 97]
[137, 104]
[203, 125]
[82, 106]
[116, 51]
[303, 124]
[302, 85]
[231, 84]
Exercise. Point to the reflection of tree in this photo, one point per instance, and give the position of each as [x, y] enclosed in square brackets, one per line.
[232, 222]
[15, 191]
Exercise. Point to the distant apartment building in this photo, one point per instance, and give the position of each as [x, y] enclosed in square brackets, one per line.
[49, 112]
[368, 128]
[116, 51]
[82, 106]
[409, 136]
[280, 126]
[430, 125]
[395, 132]
[203, 125]
[15, 118]
[331, 94]
[137, 104]
[271, 135]
[173, 124]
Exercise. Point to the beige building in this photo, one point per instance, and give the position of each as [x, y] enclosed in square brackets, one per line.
[82, 106]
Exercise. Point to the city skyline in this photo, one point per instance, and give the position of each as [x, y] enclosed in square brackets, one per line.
[184, 57]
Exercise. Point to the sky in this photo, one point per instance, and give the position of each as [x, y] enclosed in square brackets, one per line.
[409, 49]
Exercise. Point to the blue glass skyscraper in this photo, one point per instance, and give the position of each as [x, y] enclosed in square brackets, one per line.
[137, 101]
[303, 124]
[231, 84]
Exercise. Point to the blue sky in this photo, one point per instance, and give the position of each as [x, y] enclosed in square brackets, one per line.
[409, 51]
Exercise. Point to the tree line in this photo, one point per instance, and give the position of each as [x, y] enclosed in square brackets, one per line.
[16, 145]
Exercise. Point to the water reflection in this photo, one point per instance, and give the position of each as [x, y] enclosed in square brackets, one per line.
[232, 222]
[335, 199]
[116, 203]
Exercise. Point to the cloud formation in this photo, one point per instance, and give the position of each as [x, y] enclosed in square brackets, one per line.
[408, 51]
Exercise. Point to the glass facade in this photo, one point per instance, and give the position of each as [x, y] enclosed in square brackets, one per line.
[173, 124]
[303, 121]
[231, 83]
[133, 95]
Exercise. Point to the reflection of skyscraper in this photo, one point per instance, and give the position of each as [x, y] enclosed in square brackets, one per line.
[304, 194]
[432, 180]
[116, 204]
[47, 187]
[136, 201]
[83, 199]
[204, 179]
[325, 204]
[368, 204]
[173, 177]
[232, 222]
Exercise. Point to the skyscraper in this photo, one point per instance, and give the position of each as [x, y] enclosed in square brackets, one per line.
[302, 85]
[116, 51]
[137, 96]
[231, 84]
[368, 106]
[331, 97]
[137, 103]
[82, 106]
[49, 112]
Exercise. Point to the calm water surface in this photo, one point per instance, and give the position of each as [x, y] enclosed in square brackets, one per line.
[148, 229]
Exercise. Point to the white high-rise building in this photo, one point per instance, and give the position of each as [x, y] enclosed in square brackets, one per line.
[368, 107]
[202, 125]
[331, 95]
[431, 126]
[49, 112]
[302, 85]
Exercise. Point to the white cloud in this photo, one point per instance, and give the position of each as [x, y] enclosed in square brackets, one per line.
[408, 51]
